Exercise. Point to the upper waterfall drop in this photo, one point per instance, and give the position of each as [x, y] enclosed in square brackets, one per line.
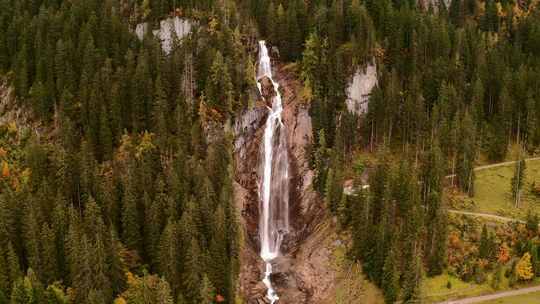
[274, 187]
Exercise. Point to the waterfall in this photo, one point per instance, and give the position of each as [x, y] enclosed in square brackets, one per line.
[274, 186]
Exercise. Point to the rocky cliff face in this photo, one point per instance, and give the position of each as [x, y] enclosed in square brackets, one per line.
[14, 113]
[169, 29]
[435, 4]
[301, 275]
[359, 89]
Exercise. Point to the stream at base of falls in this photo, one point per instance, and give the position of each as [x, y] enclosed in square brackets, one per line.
[274, 185]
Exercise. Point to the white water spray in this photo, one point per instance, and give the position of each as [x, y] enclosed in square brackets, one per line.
[274, 188]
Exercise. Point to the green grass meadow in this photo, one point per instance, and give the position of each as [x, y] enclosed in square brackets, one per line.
[493, 191]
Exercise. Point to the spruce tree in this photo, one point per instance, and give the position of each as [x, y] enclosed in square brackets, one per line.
[159, 111]
[13, 266]
[391, 276]
[518, 180]
[437, 259]
[207, 292]
[412, 293]
[105, 135]
[115, 265]
[191, 275]
[131, 229]
[466, 156]
[49, 254]
[169, 256]
[100, 279]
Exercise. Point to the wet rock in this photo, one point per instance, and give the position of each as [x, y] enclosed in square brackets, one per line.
[302, 275]
[267, 89]
[245, 128]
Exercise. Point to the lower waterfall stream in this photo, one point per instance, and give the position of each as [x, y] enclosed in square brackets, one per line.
[274, 185]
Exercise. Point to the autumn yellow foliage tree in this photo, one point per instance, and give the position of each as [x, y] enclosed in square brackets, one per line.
[524, 268]
[5, 169]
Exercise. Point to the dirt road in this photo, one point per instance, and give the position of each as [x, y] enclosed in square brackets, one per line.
[486, 215]
[494, 296]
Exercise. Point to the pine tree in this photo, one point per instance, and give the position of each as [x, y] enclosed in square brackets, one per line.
[131, 229]
[485, 247]
[207, 292]
[271, 25]
[163, 293]
[518, 180]
[294, 34]
[532, 222]
[490, 21]
[22, 292]
[390, 278]
[169, 256]
[220, 267]
[466, 156]
[115, 265]
[100, 279]
[22, 81]
[142, 92]
[478, 105]
[93, 220]
[82, 279]
[105, 135]
[31, 238]
[219, 88]
[412, 293]
[60, 228]
[13, 265]
[154, 213]
[4, 279]
[191, 275]
[438, 254]
[159, 120]
[49, 255]
[38, 94]
[321, 158]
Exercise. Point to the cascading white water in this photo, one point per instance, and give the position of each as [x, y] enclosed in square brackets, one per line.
[274, 188]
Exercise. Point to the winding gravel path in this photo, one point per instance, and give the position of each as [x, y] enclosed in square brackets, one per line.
[494, 296]
[480, 168]
[486, 215]
[503, 164]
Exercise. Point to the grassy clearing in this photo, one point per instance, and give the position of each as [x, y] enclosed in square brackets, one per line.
[492, 191]
[530, 298]
[436, 289]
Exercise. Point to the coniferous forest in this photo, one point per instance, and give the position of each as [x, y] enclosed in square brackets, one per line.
[118, 170]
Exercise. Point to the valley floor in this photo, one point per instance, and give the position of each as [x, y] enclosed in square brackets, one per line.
[491, 204]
